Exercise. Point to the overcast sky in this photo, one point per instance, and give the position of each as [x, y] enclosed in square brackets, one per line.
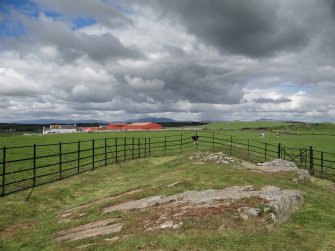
[183, 59]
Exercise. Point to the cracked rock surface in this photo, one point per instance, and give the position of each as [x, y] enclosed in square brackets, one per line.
[284, 202]
[279, 165]
[219, 158]
[270, 205]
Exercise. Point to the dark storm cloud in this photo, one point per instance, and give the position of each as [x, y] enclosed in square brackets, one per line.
[201, 84]
[254, 28]
[272, 101]
[333, 8]
[186, 81]
[70, 44]
[73, 44]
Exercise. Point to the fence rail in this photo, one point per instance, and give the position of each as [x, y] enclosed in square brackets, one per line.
[31, 166]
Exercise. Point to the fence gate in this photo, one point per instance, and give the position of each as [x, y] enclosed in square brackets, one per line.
[297, 155]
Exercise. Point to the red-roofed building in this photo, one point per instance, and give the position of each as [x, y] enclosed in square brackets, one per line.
[135, 126]
[123, 127]
[113, 126]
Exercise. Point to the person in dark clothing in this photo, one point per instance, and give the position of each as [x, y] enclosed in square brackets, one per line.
[195, 139]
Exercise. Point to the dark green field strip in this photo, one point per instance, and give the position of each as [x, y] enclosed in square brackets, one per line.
[51, 162]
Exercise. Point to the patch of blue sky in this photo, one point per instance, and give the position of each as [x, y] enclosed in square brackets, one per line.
[82, 22]
[10, 28]
[291, 87]
[27, 7]
[53, 14]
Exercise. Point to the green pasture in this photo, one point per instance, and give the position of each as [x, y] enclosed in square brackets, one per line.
[44, 164]
[33, 224]
[39, 139]
[320, 136]
[301, 135]
[38, 159]
[246, 125]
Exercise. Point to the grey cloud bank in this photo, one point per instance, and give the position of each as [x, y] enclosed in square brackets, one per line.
[188, 60]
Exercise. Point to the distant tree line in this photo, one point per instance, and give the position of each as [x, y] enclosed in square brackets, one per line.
[14, 127]
[181, 124]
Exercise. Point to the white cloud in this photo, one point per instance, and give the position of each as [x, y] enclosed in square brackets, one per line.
[145, 59]
[141, 84]
[14, 83]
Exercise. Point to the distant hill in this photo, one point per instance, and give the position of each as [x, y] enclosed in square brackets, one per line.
[151, 119]
[59, 121]
[267, 120]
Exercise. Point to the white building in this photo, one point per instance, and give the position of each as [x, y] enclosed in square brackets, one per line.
[60, 129]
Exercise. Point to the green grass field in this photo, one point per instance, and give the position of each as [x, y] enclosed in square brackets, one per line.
[20, 174]
[33, 224]
[28, 165]
[320, 136]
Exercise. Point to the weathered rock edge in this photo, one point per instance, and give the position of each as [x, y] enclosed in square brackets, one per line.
[284, 202]
[93, 229]
[279, 165]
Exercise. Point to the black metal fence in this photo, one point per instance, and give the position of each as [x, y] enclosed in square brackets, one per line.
[318, 163]
[26, 167]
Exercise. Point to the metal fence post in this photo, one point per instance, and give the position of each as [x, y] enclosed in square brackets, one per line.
[60, 160]
[93, 154]
[138, 148]
[116, 150]
[322, 164]
[3, 170]
[145, 147]
[306, 158]
[105, 152]
[132, 148]
[311, 161]
[149, 147]
[34, 167]
[213, 141]
[279, 150]
[124, 149]
[78, 158]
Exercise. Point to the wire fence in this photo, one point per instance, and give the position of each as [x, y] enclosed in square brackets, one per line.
[27, 167]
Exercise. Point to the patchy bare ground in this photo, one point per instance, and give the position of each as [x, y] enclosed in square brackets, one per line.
[73, 213]
[284, 202]
[193, 209]
[215, 209]
[103, 227]
[13, 229]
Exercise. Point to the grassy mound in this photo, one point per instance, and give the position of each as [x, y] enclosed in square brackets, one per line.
[33, 224]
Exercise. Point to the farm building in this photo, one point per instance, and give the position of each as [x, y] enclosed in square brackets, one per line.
[113, 126]
[135, 126]
[101, 128]
[60, 129]
[124, 127]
